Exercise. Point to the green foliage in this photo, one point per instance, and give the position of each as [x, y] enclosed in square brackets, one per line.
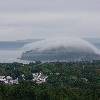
[28, 76]
[64, 81]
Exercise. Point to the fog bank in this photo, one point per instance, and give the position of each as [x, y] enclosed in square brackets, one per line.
[65, 42]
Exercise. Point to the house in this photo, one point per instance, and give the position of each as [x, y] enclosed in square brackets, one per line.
[84, 79]
[39, 77]
[23, 76]
[15, 81]
[2, 79]
[57, 73]
[8, 80]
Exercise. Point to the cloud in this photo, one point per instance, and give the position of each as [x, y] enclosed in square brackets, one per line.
[45, 19]
[49, 6]
[63, 42]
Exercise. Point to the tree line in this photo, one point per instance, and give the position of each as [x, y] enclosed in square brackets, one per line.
[66, 81]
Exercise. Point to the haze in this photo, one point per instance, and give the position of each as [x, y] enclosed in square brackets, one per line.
[35, 19]
[63, 42]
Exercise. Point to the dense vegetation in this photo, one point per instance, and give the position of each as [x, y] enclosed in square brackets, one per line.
[66, 81]
[69, 54]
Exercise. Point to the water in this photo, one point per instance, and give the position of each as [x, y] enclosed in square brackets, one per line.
[10, 51]
[10, 56]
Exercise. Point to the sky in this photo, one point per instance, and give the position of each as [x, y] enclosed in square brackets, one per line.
[43, 19]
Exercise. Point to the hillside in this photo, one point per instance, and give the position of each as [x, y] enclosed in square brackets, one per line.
[59, 56]
[60, 49]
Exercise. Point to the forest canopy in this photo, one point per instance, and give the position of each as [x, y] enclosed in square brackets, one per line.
[66, 81]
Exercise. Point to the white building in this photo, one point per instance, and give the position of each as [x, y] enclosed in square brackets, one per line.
[8, 80]
[39, 77]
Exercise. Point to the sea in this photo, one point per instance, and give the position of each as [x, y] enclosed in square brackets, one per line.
[10, 56]
[11, 52]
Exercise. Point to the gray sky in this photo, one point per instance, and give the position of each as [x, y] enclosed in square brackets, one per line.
[34, 19]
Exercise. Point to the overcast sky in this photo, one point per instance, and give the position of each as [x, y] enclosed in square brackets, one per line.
[40, 19]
